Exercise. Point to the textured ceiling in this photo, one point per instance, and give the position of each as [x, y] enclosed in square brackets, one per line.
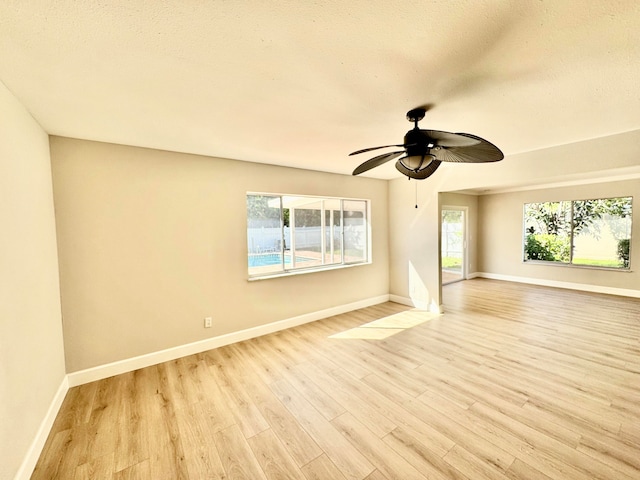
[303, 83]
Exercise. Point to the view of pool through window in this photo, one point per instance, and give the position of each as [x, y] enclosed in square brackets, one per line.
[266, 259]
[287, 233]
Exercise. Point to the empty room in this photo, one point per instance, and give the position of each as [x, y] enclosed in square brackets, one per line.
[320, 240]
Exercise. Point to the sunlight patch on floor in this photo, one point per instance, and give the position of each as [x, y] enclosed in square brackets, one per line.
[387, 326]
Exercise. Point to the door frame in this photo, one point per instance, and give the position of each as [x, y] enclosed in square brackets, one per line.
[465, 234]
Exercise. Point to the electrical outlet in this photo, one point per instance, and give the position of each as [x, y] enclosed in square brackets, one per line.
[207, 322]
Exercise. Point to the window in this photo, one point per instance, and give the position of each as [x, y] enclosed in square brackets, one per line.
[287, 233]
[594, 233]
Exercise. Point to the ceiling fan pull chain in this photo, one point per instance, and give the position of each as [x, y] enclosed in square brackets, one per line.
[416, 183]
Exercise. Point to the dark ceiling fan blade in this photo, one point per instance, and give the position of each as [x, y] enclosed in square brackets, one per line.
[421, 174]
[373, 148]
[376, 161]
[447, 139]
[481, 152]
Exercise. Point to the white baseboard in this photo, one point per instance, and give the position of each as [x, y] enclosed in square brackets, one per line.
[401, 300]
[108, 370]
[35, 449]
[624, 292]
[419, 304]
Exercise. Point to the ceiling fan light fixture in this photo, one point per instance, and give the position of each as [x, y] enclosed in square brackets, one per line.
[417, 162]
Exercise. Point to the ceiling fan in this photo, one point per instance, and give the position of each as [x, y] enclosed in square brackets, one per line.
[425, 150]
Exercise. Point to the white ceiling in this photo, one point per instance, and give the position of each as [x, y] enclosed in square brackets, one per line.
[303, 83]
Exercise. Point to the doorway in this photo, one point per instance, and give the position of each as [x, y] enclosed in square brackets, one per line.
[453, 244]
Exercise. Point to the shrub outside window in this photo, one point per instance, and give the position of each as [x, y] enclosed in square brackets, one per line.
[290, 233]
[594, 232]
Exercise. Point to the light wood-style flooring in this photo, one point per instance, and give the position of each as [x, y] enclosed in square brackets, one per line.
[512, 382]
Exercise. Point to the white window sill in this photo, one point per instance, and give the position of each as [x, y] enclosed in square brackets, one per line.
[572, 265]
[303, 271]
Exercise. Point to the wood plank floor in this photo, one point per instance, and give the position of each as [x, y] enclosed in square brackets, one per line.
[513, 382]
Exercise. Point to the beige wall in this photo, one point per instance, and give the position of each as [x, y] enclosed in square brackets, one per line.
[414, 267]
[501, 235]
[414, 232]
[151, 242]
[31, 348]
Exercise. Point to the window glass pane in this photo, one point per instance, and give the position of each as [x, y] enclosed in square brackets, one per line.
[332, 235]
[306, 217]
[452, 245]
[355, 231]
[264, 234]
[594, 232]
[547, 231]
[601, 232]
[332, 231]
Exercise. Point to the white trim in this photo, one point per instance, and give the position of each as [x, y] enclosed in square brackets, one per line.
[419, 304]
[35, 449]
[122, 366]
[625, 292]
[465, 237]
[301, 271]
[401, 300]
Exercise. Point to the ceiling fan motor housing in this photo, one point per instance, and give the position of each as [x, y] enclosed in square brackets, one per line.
[417, 144]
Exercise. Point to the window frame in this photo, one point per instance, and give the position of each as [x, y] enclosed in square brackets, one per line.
[574, 232]
[297, 270]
